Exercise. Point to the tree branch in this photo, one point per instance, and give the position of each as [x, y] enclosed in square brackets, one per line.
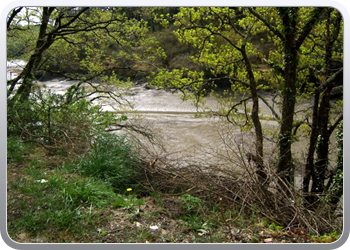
[325, 84]
[315, 16]
[268, 24]
[12, 16]
[270, 107]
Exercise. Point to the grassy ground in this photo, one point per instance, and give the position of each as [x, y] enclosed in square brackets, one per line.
[52, 198]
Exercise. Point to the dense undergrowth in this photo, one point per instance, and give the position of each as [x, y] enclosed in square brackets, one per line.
[102, 197]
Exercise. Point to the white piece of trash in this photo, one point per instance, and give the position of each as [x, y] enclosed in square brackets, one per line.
[153, 228]
[42, 181]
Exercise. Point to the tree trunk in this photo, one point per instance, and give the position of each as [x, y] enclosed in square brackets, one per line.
[259, 149]
[320, 130]
[284, 166]
[324, 132]
[292, 40]
[43, 43]
[309, 168]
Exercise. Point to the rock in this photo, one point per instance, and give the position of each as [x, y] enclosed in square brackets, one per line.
[164, 232]
[268, 240]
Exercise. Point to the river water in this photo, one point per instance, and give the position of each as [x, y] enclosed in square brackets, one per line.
[178, 123]
[182, 132]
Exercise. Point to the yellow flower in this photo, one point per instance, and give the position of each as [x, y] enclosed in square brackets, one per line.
[129, 189]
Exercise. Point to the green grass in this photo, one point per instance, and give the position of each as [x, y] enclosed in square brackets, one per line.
[60, 202]
[111, 159]
[55, 199]
[17, 149]
[69, 197]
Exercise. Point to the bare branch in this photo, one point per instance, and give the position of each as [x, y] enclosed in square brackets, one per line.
[270, 107]
[329, 80]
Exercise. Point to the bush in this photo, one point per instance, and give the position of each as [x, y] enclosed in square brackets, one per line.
[65, 123]
[111, 158]
[191, 203]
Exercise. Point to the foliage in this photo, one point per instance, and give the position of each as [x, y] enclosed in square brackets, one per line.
[335, 191]
[19, 44]
[340, 144]
[190, 203]
[82, 43]
[327, 238]
[59, 122]
[57, 204]
[123, 45]
[112, 159]
[216, 48]
[273, 226]
[87, 191]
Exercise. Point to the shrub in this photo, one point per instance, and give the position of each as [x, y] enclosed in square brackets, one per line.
[65, 123]
[191, 204]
